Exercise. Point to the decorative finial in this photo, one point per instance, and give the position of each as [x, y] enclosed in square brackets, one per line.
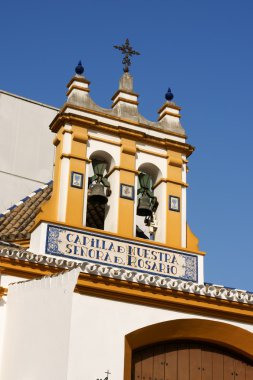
[169, 96]
[79, 68]
[128, 51]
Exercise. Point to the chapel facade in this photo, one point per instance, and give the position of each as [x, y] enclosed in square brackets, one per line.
[101, 275]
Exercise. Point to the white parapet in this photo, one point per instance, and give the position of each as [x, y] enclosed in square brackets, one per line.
[37, 328]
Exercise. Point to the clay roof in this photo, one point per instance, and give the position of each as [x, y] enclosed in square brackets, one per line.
[17, 221]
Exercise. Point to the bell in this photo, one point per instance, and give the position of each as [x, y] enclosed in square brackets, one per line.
[97, 194]
[144, 206]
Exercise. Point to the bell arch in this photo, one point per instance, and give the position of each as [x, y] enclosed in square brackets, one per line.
[151, 169]
[153, 226]
[99, 189]
[221, 334]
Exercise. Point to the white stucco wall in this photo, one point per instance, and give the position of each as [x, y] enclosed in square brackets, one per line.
[26, 148]
[37, 328]
[98, 329]
[73, 336]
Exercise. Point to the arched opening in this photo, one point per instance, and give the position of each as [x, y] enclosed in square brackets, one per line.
[234, 342]
[188, 360]
[99, 189]
[148, 200]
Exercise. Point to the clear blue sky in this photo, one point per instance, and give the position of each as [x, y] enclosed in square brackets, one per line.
[202, 49]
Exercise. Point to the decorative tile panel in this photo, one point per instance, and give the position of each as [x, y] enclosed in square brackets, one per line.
[121, 253]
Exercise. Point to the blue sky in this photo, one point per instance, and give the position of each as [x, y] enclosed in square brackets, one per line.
[202, 50]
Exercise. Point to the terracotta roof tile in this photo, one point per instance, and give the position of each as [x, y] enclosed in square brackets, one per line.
[17, 221]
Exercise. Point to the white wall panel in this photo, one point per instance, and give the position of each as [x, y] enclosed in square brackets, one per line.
[26, 148]
[37, 329]
[98, 328]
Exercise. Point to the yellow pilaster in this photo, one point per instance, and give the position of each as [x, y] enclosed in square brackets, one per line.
[127, 177]
[77, 157]
[49, 210]
[173, 220]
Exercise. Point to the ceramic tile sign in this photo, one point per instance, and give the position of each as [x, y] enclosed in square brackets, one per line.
[121, 253]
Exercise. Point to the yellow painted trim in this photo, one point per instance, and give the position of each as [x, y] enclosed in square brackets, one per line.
[152, 152]
[65, 155]
[78, 160]
[168, 180]
[49, 209]
[66, 131]
[174, 187]
[56, 140]
[80, 137]
[192, 242]
[183, 184]
[113, 117]
[156, 297]
[175, 161]
[141, 294]
[122, 168]
[3, 291]
[128, 147]
[91, 137]
[126, 208]
[177, 146]
[75, 197]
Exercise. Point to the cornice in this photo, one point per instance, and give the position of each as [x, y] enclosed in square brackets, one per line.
[124, 120]
[168, 113]
[120, 99]
[166, 180]
[77, 88]
[77, 79]
[130, 286]
[169, 105]
[124, 92]
[120, 131]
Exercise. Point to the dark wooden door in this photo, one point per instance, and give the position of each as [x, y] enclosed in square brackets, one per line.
[189, 361]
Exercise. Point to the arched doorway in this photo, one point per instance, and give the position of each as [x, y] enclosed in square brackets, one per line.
[203, 343]
[189, 361]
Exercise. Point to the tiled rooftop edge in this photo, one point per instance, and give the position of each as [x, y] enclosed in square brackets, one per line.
[209, 290]
[25, 199]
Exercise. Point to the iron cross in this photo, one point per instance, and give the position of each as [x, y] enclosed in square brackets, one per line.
[107, 373]
[128, 51]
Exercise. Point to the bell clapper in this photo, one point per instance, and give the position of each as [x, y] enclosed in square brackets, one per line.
[152, 223]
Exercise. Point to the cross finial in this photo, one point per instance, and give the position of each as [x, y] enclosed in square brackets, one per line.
[107, 377]
[128, 51]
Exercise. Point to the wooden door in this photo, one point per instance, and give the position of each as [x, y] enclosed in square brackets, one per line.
[189, 361]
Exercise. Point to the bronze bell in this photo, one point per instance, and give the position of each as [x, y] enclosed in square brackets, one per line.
[144, 206]
[97, 194]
